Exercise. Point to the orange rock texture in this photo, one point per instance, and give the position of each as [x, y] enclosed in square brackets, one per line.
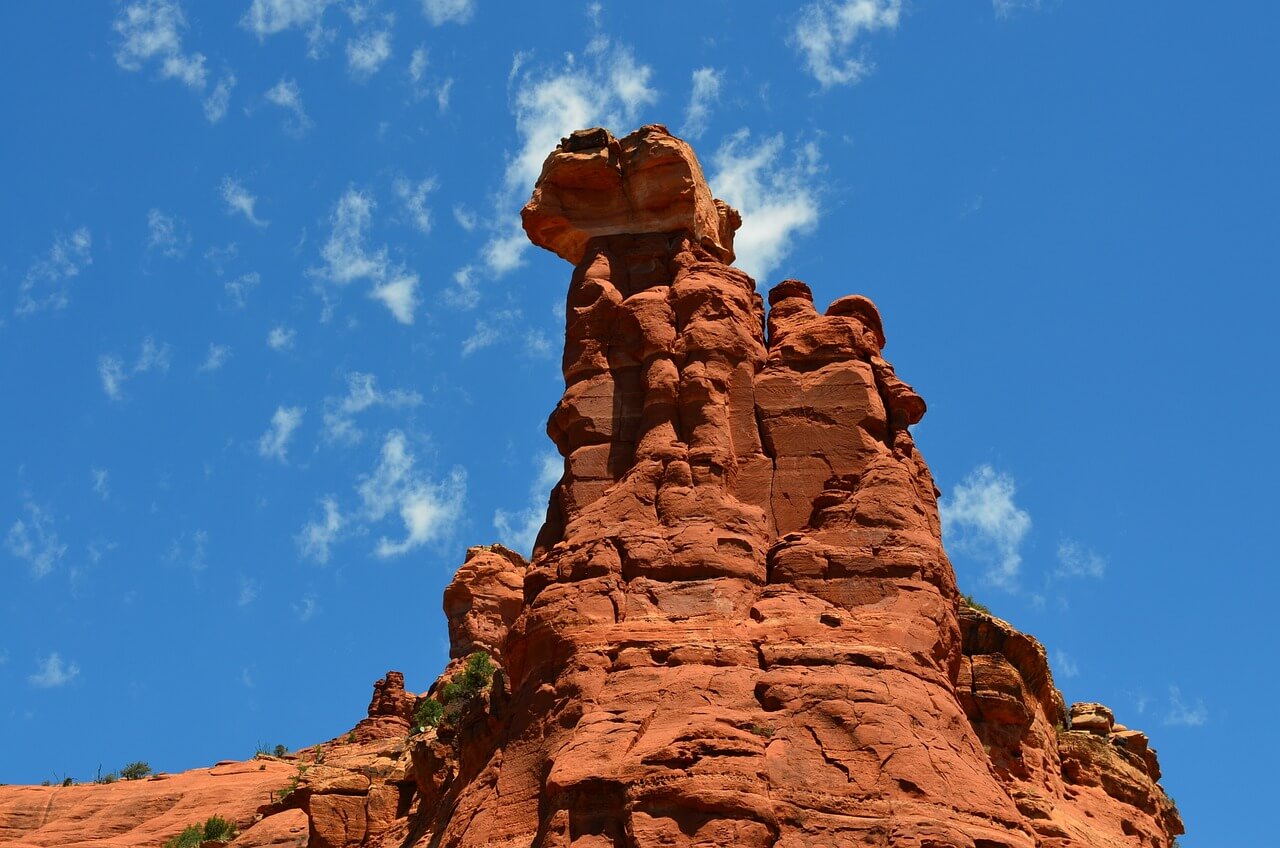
[739, 626]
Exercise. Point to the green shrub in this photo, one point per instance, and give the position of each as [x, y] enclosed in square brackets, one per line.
[428, 714]
[280, 750]
[135, 771]
[977, 605]
[762, 730]
[475, 678]
[284, 792]
[215, 829]
[68, 781]
[351, 738]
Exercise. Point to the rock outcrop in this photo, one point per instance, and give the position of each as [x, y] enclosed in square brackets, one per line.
[739, 626]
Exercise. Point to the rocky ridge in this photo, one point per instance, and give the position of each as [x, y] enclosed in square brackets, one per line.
[739, 626]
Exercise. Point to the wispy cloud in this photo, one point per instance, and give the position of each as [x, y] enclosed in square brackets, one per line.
[362, 394]
[190, 551]
[981, 520]
[347, 259]
[239, 200]
[34, 540]
[307, 607]
[607, 87]
[274, 443]
[1075, 560]
[249, 590]
[216, 104]
[288, 96]
[281, 337]
[267, 17]
[53, 672]
[367, 53]
[166, 235]
[44, 285]
[428, 509]
[448, 11]
[703, 95]
[1183, 714]
[519, 530]
[1064, 665]
[237, 290]
[776, 194]
[827, 31]
[101, 483]
[151, 31]
[413, 196]
[506, 325]
[317, 537]
[215, 358]
[114, 373]
[1008, 8]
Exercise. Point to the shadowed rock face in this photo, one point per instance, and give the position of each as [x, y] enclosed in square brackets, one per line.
[739, 626]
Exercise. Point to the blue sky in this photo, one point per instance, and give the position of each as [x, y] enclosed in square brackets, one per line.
[276, 352]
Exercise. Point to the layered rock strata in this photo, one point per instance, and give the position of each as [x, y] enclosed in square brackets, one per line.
[739, 626]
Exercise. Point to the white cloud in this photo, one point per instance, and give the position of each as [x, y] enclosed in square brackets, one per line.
[442, 94]
[274, 443]
[446, 11]
[414, 197]
[288, 96]
[44, 285]
[1075, 560]
[35, 541]
[239, 288]
[506, 325]
[519, 530]
[705, 92]
[193, 555]
[1065, 665]
[249, 590]
[826, 31]
[165, 235]
[114, 374]
[317, 537]
[418, 64]
[111, 372]
[778, 199]
[367, 53]
[101, 484]
[428, 509]
[608, 88]
[267, 17]
[362, 394]
[465, 217]
[238, 199]
[982, 520]
[307, 607]
[281, 338]
[54, 673]
[1183, 714]
[152, 30]
[215, 105]
[216, 357]
[464, 293]
[1007, 8]
[346, 258]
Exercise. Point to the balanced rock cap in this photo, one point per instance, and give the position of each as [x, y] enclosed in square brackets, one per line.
[646, 182]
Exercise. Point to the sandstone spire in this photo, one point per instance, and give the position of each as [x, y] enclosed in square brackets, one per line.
[739, 626]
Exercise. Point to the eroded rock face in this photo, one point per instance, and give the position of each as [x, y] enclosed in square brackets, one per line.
[739, 626]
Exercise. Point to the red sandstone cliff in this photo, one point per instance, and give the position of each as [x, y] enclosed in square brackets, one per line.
[739, 626]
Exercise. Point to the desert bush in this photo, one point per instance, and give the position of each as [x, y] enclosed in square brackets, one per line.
[135, 771]
[474, 679]
[280, 750]
[973, 604]
[215, 829]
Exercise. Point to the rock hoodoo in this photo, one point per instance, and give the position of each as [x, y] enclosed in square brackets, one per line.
[739, 626]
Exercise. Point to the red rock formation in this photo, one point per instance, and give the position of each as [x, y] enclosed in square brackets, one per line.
[739, 626]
